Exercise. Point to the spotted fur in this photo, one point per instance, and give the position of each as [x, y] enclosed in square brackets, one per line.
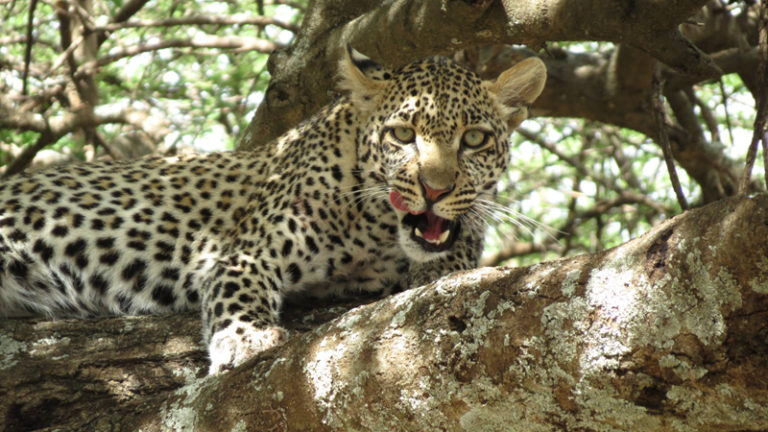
[372, 194]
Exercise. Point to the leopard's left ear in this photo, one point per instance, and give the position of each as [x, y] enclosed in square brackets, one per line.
[362, 78]
[517, 88]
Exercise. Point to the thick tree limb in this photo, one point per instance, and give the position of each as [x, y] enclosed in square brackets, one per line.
[303, 74]
[73, 373]
[666, 332]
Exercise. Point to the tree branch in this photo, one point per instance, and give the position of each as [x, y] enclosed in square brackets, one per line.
[53, 128]
[666, 332]
[28, 48]
[761, 116]
[663, 139]
[25, 158]
[511, 250]
[199, 20]
[129, 9]
[302, 74]
[198, 41]
[584, 172]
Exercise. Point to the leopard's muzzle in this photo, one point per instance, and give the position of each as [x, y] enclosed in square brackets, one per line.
[431, 232]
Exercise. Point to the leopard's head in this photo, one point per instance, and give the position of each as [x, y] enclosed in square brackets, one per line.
[435, 139]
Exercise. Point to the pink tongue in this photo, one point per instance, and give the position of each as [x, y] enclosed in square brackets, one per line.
[434, 227]
[399, 202]
[434, 222]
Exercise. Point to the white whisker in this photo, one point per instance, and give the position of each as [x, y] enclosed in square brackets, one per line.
[501, 214]
[357, 196]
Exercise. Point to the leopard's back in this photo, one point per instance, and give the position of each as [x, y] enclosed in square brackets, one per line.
[110, 237]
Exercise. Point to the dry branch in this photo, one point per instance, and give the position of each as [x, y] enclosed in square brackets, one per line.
[239, 43]
[198, 21]
[657, 105]
[53, 128]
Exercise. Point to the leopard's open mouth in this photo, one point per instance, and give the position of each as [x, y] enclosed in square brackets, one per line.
[431, 232]
[428, 230]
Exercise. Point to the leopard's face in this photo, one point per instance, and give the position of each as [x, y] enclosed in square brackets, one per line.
[437, 141]
[440, 144]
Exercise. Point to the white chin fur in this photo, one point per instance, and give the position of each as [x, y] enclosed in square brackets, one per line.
[413, 250]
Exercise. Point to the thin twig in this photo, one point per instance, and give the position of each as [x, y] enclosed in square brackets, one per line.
[293, 4]
[724, 94]
[113, 152]
[66, 55]
[657, 107]
[514, 250]
[578, 165]
[765, 158]
[28, 48]
[198, 20]
[706, 114]
[623, 162]
[236, 43]
[761, 99]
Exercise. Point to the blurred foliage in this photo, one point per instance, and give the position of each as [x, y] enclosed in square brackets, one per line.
[197, 96]
[566, 209]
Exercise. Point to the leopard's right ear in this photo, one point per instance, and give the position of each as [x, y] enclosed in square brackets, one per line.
[362, 78]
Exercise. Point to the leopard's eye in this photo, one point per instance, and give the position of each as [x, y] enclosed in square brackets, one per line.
[403, 134]
[474, 138]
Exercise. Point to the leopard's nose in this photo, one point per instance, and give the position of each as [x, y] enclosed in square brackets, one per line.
[433, 195]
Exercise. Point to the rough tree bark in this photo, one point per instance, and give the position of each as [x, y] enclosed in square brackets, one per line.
[666, 332]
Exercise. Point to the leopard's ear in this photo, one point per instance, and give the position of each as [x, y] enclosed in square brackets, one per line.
[362, 78]
[517, 88]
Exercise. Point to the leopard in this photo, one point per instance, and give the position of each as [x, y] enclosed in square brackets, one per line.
[375, 193]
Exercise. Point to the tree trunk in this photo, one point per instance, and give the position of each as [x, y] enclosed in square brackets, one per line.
[666, 332]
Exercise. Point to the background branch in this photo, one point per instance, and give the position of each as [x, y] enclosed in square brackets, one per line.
[25, 158]
[28, 49]
[762, 104]
[197, 41]
[198, 21]
[663, 139]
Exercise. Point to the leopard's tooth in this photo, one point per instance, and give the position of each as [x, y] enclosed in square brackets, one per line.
[418, 232]
[444, 236]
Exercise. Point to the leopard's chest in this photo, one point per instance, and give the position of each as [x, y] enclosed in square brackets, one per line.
[330, 245]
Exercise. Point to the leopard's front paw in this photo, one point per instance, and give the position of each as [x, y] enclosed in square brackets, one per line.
[228, 348]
